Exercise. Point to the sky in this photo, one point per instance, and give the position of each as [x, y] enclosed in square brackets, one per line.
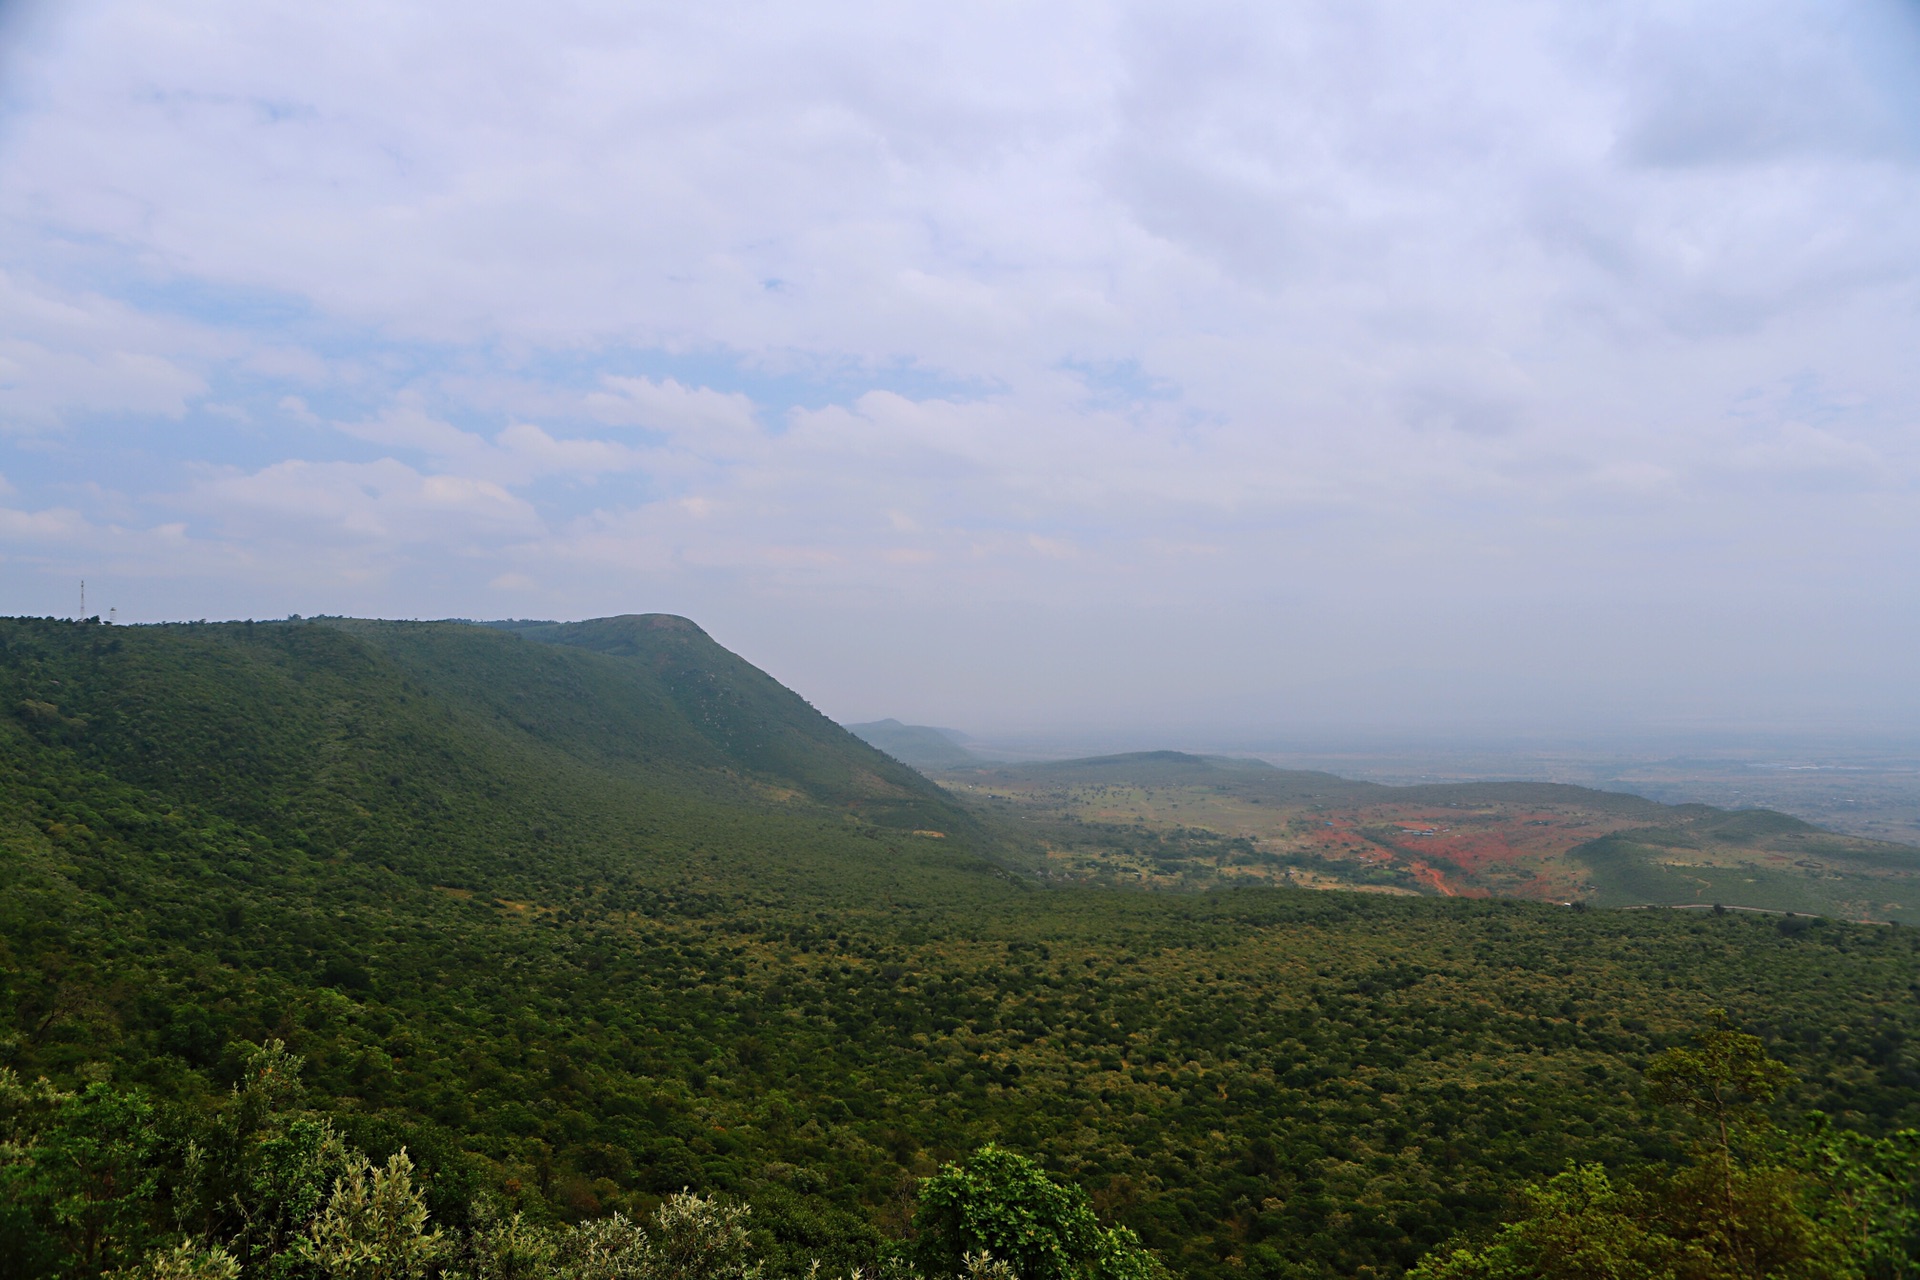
[1149, 368]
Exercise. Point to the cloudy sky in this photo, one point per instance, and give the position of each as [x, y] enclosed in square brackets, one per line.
[1270, 366]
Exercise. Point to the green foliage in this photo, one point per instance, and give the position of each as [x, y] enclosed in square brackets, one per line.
[998, 1208]
[1003, 1204]
[509, 1247]
[1119, 1255]
[81, 1166]
[1751, 1219]
[260, 1169]
[1760, 1223]
[981, 1265]
[700, 1238]
[1830, 1208]
[605, 1249]
[1726, 1079]
[1869, 1193]
[534, 917]
[374, 1226]
[188, 1260]
[1687, 1226]
[1576, 1227]
[694, 1238]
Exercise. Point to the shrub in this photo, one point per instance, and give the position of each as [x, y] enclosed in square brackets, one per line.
[1003, 1205]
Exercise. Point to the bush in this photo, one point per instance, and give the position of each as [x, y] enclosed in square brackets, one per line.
[1003, 1205]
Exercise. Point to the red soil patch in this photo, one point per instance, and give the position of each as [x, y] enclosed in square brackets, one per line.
[1435, 879]
[1471, 842]
[1448, 850]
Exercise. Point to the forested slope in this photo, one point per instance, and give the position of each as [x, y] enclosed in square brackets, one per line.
[574, 927]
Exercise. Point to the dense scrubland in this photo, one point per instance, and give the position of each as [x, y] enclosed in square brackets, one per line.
[581, 917]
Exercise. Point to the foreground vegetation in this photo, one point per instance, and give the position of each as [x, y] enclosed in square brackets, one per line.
[100, 1182]
[577, 930]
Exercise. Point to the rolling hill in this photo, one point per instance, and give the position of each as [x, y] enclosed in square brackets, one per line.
[1171, 819]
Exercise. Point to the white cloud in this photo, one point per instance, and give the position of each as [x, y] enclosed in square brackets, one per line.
[65, 354]
[1808, 455]
[515, 456]
[54, 525]
[699, 415]
[383, 501]
[1297, 310]
[407, 427]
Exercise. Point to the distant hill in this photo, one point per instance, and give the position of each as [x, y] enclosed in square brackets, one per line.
[1175, 820]
[922, 746]
[1259, 780]
[1169, 768]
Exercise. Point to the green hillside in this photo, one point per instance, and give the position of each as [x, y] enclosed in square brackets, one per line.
[400, 721]
[754, 723]
[584, 915]
[1753, 858]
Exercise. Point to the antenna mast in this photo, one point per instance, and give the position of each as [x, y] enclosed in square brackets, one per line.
[83, 599]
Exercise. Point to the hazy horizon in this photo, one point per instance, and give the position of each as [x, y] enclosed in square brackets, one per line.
[1117, 372]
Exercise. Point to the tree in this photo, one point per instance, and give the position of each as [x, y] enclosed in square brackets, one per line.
[1751, 1213]
[1724, 1080]
[610, 1248]
[260, 1170]
[1870, 1192]
[81, 1166]
[1735, 1211]
[505, 1248]
[700, 1238]
[374, 1226]
[1760, 1225]
[694, 1238]
[1577, 1227]
[1002, 1204]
